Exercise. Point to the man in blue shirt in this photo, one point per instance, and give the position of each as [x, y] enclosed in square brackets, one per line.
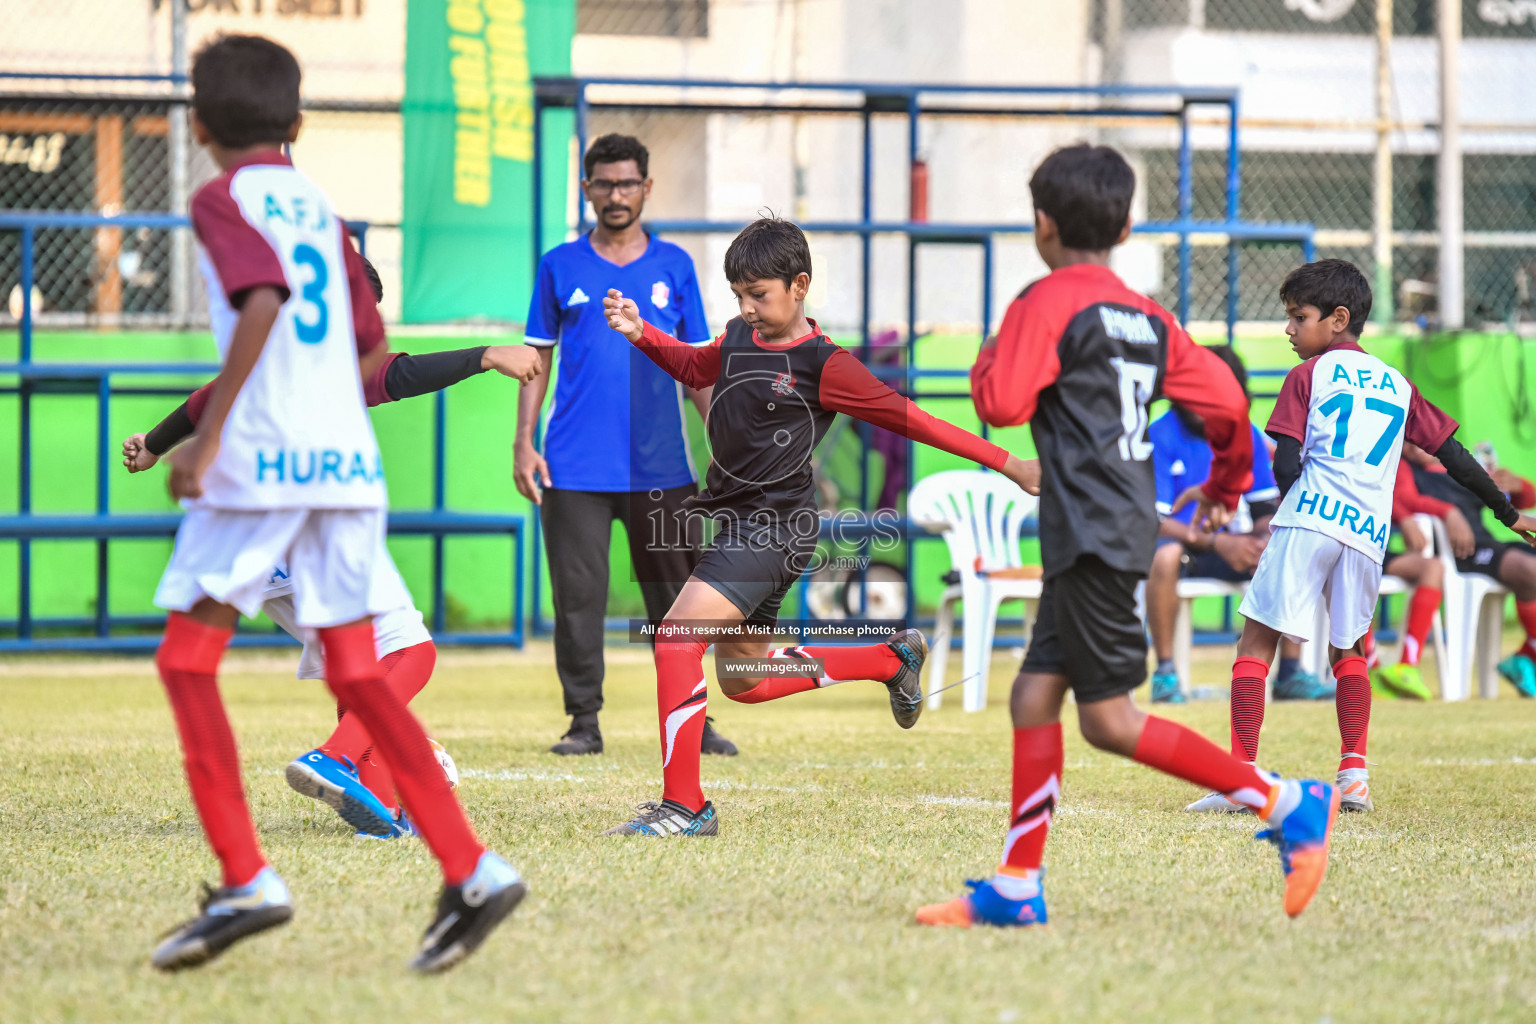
[615, 445]
[1181, 458]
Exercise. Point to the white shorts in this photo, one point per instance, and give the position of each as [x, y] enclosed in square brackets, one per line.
[1303, 572]
[394, 630]
[228, 555]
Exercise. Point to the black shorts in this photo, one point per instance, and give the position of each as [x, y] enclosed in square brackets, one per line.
[1087, 629]
[755, 566]
[1489, 556]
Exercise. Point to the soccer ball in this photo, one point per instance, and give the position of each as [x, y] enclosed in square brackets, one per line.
[450, 770]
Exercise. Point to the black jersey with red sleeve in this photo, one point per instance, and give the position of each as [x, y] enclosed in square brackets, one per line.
[1079, 357]
[773, 403]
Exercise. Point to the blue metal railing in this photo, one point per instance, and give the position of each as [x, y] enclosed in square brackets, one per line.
[916, 102]
[33, 378]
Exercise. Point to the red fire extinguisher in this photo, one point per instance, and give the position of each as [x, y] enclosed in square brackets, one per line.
[919, 190]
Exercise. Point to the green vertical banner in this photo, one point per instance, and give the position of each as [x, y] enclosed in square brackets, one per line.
[467, 251]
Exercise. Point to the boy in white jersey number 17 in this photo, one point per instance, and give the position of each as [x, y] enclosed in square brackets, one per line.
[1339, 425]
[284, 469]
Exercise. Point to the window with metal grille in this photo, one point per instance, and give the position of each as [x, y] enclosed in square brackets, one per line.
[679, 19]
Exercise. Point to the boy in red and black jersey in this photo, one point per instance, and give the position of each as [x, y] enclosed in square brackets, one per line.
[778, 384]
[1079, 357]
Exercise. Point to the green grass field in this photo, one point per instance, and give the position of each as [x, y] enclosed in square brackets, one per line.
[835, 826]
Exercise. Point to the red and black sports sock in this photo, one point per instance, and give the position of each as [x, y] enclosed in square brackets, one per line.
[681, 697]
[1037, 761]
[1527, 612]
[1185, 754]
[353, 674]
[1250, 680]
[1421, 615]
[188, 660]
[1353, 702]
[839, 665]
[1368, 648]
[406, 672]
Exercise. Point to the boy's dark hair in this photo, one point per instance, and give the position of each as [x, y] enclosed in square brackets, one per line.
[768, 247]
[614, 148]
[245, 90]
[1087, 191]
[1227, 354]
[1329, 284]
[375, 285]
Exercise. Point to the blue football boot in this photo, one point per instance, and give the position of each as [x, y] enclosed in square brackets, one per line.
[1521, 672]
[322, 777]
[1303, 837]
[1165, 688]
[985, 905]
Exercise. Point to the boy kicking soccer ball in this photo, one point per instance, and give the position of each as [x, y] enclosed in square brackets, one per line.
[284, 469]
[778, 384]
[1339, 425]
[1079, 357]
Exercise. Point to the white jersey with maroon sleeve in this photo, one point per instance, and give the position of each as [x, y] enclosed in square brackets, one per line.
[1351, 413]
[298, 434]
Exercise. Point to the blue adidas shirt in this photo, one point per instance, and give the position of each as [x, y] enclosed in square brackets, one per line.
[1182, 460]
[617, 420]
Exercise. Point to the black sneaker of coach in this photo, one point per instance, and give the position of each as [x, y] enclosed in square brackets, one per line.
[711, 742]
[582, 738]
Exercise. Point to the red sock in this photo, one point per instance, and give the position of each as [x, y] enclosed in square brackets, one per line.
[1037, 760]
[1185, 754]
[681, 696]
[1421, 615]
[839, 665]
[1250, 678]
[188, 659]
[353, 674]
[1353, 701]
[1368, 646]
[406, 671]
[1527, 612]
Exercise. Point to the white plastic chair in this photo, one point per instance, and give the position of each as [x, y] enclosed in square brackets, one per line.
[1474, 617]
[980, 515]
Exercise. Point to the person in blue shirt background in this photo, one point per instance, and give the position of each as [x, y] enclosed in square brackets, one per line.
[1181, 458]
[615, 445]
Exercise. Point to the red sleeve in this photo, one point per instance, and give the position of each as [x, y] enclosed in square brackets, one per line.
[374, 392]
[197, 401]
[366, 322]
[241, 256]
[848, 386]
[1525, 497]
[1407, 500]
[1199, 381]
[1428, 427]
[697, 366]
[1289, 418]
[1010, 374]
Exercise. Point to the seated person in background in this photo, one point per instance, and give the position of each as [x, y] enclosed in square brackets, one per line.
[1426, 573]
[1182, 459]
[1512, 563]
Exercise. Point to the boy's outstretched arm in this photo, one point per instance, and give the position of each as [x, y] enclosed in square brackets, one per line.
[848, 386]
[1464, 468]
[1199, 381]
[696, 366]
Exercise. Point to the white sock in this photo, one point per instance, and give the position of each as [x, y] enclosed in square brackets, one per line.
[1017, 887]
[1285, 803]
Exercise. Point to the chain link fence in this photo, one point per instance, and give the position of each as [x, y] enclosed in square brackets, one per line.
[1308, 146]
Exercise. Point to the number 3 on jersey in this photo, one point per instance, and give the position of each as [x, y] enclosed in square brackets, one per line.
[312, 332]
[1136, 383]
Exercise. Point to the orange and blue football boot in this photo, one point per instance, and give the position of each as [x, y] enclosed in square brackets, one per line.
[1303, 837]
[985, 905]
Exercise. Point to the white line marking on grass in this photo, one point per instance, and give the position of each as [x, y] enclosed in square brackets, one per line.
[509, 775]
[1482, 762]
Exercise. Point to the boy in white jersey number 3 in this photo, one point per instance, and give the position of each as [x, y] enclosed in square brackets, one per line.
[1339, 425]
[284, 469]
